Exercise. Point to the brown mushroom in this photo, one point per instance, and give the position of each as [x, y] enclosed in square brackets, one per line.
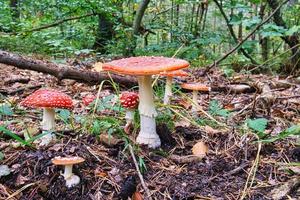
[68, 162]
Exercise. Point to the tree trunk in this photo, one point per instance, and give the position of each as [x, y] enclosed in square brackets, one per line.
[63, 72]
[15, 12]
[292, 41]
[104, 33]
[263, 41]
[230, 28]
[137, 25]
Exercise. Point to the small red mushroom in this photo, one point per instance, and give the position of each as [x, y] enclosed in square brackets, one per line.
[88, 99]
[48, 99]
[129, 101]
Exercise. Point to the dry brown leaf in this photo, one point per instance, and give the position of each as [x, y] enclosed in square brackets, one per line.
[211, 130]
[108, 139]
[200, 149]
[137, 196]
[98, 67]
[183, 123]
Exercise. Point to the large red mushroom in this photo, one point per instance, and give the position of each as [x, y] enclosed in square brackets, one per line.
[48, 99]
[143, 67]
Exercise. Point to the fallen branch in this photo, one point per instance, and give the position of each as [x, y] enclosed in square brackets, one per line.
[60, 22]
[63, 72]
[245, 39]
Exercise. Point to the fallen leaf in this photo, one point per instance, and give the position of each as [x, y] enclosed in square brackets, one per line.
[98, 67]
[200, 149]
[183, 123]
[211, 130]
[137, 196]
[108, 139]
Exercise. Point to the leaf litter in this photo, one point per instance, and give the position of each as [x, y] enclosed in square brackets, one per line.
[172, 172]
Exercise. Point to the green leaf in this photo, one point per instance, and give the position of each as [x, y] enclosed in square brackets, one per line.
[292, 30]
[293, 130]
[258, 125]
[1, 156]
[5, 109]
[216, 109]
[64, 115]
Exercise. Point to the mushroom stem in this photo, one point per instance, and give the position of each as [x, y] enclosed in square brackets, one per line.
[195, 101]
[129, 116]
[168, 90]
[68, 171]
[71, 179]
[48, 122]
[148, 113]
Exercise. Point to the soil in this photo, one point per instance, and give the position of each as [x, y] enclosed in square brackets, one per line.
[109, 171]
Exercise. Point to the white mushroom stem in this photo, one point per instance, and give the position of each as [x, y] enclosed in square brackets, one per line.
[148, 113]
[195, 102]
[129, 116]
[68, 171]
[70, 178]
[48, 125]
[48, 122]
[168, 90]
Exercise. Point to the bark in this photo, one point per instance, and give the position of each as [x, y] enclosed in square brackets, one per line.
[139, 16]
[292, 41]
[137, 25]
[15, 12]
[104, 33]
[264, 41]
[63, 72]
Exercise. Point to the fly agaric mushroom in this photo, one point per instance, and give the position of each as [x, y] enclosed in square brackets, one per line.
[48, 99]
[195, 87]
[70, 178]
[88, 99]
[129, 101]
[143, 67]
[168, 88]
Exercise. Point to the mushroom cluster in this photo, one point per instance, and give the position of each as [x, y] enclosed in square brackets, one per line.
[144, 67]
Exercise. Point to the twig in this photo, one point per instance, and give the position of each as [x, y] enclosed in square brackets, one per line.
[139, 173]
[252, 173]
[20, 190]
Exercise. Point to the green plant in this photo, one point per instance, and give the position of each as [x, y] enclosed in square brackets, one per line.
[293, 130]
[258, 126]
[215, 109]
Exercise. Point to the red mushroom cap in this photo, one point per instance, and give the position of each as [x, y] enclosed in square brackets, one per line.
[196, 86]
[174, 73]
[129, 100]
[48, 98]
[144, 65]
[88, 99]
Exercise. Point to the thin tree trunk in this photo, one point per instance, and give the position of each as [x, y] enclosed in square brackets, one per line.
[292, 41]
[264, 41]
[15, 12]
[137, 25]
[230, 28]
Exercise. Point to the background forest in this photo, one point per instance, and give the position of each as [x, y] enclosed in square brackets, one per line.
[226, 126]
[200, 31]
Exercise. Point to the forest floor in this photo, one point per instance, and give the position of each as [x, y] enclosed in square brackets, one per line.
[236, 166]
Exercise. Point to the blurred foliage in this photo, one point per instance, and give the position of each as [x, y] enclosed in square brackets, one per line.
[169, 27]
